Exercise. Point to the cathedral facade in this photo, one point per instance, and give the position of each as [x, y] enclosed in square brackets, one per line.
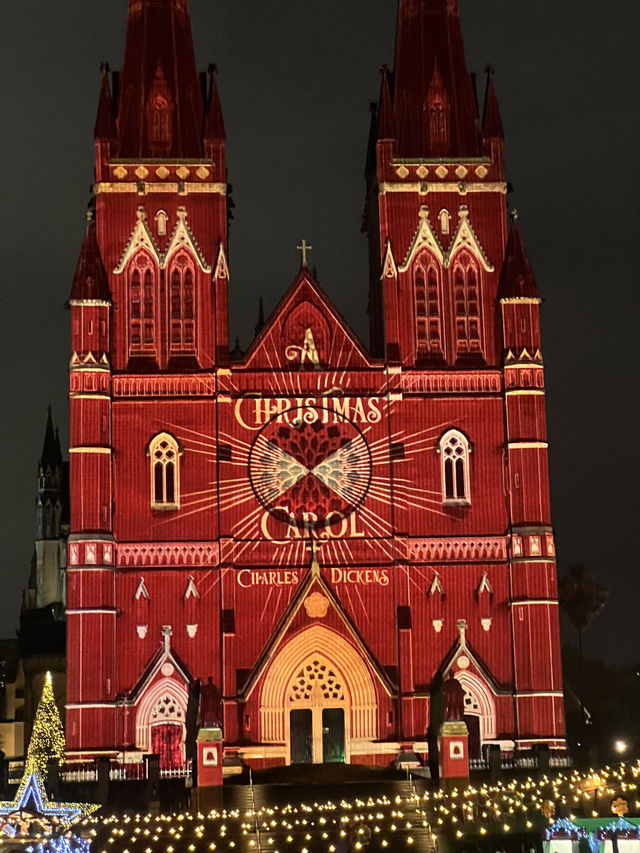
[324, 530]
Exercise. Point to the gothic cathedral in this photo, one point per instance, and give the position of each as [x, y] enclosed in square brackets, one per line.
[324, 530]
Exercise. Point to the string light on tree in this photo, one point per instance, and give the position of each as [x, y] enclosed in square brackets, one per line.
[47, 738]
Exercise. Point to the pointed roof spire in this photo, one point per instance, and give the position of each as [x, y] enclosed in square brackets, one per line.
[260, 324]
[159, 36]
[517, 280]
[386, 118]
[51, 456]
[105, 126]
[90, 280]
[213, 121]
[429, 35]
[491, 121]
[237, 351]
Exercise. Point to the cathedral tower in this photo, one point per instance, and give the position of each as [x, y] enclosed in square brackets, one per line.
[452, 293]
[148, 316]
[323, 531]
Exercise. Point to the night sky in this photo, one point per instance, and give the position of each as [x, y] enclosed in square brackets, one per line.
[296, 78]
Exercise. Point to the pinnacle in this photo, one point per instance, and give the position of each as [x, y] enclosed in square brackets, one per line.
[214, 122]
[105, 126]
[386, 119]
[90, 279]
[517, 280]
[491, 120]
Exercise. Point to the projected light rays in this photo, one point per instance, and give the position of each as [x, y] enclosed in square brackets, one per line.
[309, 472]
[362, 458]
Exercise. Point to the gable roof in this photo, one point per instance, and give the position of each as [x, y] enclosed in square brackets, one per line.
[313, 580]
[164, 654]
[278, 345]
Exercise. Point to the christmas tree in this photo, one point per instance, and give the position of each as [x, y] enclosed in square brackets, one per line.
[47, 737]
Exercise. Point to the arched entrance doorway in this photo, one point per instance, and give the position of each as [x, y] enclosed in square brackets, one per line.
[160, 723]
[318, 698]
[479, 711]
[316, 704]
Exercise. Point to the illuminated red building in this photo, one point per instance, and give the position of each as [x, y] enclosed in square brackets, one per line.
[323, 529]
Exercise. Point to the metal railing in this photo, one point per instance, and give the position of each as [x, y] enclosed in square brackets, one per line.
[128, 772]
[15, 771]
[182, 772]
[81, 771]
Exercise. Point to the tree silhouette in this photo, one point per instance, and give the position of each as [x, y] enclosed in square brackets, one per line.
[582, 599]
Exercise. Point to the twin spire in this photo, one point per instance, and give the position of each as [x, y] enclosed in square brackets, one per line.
[158, 106]
[428, 104]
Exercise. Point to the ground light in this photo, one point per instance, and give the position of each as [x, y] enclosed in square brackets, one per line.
[504, 808]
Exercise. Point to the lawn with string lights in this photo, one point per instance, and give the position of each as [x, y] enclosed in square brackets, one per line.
[515, 811]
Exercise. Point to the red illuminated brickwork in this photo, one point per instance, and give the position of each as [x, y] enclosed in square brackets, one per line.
[324, 529]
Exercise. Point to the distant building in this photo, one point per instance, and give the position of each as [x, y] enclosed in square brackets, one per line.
[40, 646]
[324, 529]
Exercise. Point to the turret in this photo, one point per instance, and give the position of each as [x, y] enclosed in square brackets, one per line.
[90, 387]
[533, 577]
[90, 589]
[90, 300]
[519, 301]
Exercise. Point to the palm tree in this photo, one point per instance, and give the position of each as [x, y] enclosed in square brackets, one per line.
[582, 599]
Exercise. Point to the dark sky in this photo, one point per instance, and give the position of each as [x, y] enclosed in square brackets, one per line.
[296, 78]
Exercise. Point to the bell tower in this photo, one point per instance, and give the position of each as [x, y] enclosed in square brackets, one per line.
[148, 319]
[160, 195]
[452, 291]
[436, 213]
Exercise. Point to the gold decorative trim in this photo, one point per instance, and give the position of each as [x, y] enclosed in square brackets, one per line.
[99, 450]
[528, 445]
[189, 554]
[522, 300]
[460, 550]
[451, 382]
[424, 238]
[154, 187]
[423, 188]
[466, 238]
[184, 385]
[141, 237]
[82, 396]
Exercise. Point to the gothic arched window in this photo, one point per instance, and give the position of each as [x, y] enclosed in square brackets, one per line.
[164, 459]
[181, 309]
[142, 307]
[454, 453]
[427, 307]
[466, 294]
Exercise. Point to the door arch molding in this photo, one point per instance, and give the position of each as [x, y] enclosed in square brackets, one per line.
[360, 695]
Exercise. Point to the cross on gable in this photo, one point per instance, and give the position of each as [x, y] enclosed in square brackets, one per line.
[304, 247]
